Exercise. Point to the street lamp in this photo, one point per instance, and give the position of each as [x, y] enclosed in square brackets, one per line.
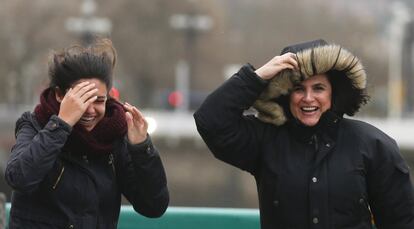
[191, 24]
[400, 20]
[88, 25]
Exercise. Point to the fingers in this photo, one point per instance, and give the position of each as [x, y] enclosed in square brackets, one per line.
[136, 114]
[80, 87]
[289, 60]
[85, 90]
[293, 60]
[278, 64]
[137, 125]
[90, 100]
[129, 119]
[76, 101]
[89, 94]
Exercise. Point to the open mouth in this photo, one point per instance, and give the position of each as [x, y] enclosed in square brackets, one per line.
[86, 120]
[309, 109]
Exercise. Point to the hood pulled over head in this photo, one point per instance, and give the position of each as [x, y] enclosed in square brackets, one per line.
[345, 73]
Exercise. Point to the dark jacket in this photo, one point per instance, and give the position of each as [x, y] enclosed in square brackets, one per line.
[329, 177]
[55, 188]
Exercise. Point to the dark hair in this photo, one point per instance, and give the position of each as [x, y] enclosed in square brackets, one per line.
[346, 98]
[77, 62]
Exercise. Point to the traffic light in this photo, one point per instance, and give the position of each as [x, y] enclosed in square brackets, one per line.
[175, 99]
[114, 93]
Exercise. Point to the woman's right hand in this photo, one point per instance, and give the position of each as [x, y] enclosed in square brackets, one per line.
[76, 101]
[276, 65]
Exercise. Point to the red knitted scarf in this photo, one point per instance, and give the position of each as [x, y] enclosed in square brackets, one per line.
[100, 140]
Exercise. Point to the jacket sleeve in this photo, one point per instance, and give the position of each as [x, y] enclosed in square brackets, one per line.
[390, 190]
[231, 136]
[142, 178]
[34, 152]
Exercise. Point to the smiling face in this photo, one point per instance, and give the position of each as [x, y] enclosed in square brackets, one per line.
[96, 111]
[310, 98]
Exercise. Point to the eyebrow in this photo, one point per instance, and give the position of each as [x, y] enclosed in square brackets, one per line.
[102, 97]
[320, 84]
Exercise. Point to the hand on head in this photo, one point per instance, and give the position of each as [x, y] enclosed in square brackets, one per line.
[137, 125]
[75, 102]
[277, 64]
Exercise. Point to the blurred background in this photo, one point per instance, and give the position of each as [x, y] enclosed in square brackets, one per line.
[172, 53]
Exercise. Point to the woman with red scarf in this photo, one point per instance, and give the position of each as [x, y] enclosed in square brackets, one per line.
[81, 149]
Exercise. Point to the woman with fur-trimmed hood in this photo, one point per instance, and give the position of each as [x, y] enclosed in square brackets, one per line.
[313, 167]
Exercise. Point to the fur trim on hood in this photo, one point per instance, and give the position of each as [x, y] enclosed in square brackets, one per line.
[345, 73]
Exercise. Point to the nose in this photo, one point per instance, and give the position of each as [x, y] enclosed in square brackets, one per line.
[308, 96]
[89, 109]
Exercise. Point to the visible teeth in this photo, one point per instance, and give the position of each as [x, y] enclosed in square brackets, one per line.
[86, 119]
[309, 108]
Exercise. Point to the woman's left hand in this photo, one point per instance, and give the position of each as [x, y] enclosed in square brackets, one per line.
[137, 125]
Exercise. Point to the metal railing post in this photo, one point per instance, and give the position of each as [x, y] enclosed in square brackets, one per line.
[2, 211]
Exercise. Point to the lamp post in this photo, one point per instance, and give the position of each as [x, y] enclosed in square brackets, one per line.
[2, 210]
[401, 18]
[408, 67]
[88, 25]
[191, 25]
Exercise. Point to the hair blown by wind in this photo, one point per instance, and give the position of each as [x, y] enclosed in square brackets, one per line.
[78, 62]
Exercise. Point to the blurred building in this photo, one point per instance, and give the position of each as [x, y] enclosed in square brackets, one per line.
[401, 62]
[150, 49]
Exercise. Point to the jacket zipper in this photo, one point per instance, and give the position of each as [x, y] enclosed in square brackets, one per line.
[315, 142]
[59, 177]
[111, 162]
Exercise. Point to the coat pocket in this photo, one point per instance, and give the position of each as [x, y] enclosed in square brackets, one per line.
[59, 177]
[55, 176]
[402, 167]
[269, 198]
[365, 209]
[270, 189]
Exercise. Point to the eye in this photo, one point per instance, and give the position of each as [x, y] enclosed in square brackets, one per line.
[100, 100]
[319, 87]
[297, 88]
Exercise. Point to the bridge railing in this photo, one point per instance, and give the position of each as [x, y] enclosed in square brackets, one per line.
[188, 218]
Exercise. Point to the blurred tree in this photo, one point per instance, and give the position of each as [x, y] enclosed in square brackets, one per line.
[27, 32]
[149, 49]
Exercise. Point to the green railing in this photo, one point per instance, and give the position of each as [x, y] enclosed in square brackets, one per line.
[188, 218]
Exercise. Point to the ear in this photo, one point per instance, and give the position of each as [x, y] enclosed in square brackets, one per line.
[59, 95]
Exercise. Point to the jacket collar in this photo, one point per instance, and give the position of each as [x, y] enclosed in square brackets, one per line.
[322, 136]
[326, 129]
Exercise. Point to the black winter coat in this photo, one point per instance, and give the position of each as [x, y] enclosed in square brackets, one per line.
[54, 188]
[329, 177]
